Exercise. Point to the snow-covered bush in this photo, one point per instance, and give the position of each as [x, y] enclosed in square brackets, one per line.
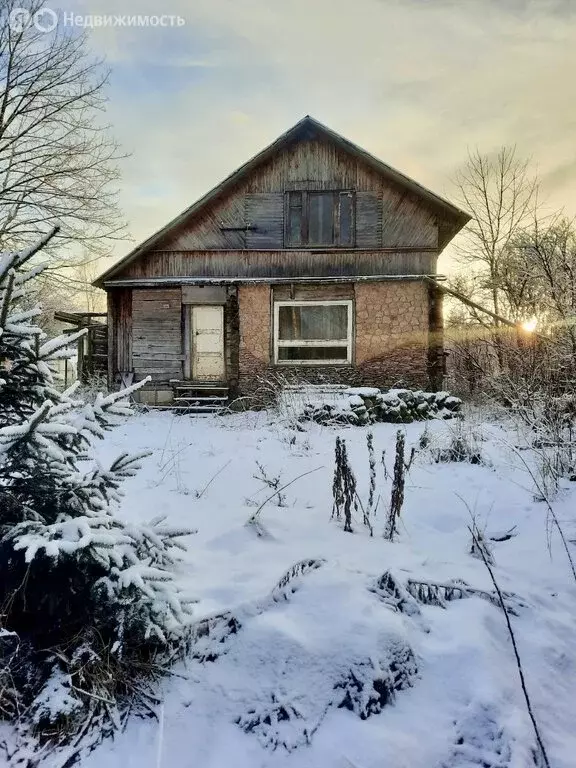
[459, 449]
[366, 405]
[342, 654]
[88, 603]
[458, 443]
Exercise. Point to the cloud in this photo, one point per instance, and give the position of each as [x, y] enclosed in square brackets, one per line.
[415, 82]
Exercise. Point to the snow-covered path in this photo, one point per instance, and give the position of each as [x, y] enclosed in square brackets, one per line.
[463, 707]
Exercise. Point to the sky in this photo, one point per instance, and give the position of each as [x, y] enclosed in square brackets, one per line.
[415, 82]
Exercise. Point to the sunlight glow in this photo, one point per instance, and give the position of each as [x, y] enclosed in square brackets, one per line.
[529, 325]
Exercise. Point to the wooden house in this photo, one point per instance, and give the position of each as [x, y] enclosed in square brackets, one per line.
[313, 260]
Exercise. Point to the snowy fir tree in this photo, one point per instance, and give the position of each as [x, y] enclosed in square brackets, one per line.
[90, 611]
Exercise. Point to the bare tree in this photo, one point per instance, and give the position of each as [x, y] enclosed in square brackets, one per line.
[500, 193]
[548, 260]
[89, 298]
[58, 162]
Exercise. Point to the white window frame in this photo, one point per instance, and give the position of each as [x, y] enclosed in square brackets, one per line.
[278, 343]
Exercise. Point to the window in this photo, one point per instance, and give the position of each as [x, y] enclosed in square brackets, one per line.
[319, 218]
[312, 333]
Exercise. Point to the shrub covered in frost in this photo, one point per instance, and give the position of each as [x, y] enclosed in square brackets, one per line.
[366, 405]
[459, 444]
[88, 602]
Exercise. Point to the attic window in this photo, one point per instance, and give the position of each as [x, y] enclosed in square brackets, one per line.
[312, 332]
[318, 219]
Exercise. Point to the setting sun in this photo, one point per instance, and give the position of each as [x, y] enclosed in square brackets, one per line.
[529, 325]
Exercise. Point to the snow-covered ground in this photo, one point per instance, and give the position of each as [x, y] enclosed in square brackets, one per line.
[296, 649]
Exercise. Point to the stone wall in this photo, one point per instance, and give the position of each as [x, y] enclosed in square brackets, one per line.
[254, 311]
[390, 330]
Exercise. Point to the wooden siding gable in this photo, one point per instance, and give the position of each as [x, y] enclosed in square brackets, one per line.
[265, 217]
[368, 220]
[309, 153]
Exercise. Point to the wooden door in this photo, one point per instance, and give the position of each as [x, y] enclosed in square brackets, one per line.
[207, 343]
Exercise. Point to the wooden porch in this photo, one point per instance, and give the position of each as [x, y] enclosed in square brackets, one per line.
[92, 348]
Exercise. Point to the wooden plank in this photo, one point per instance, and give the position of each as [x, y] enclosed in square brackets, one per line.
[171, 371]
[143, 346]
[208, 294]
[159, 354]
[112, 336]
[150, 305]
[265, 211]
[187, 342]
[161, 317]
[142, 334]
[156, 376]
[368, 220]
[321, 262]
[474, 305]
[163, 374]
[142, 341]
[406, 222]
[153, 321]
[158, 362]
[162, 323]
[157, 310]
[299, 292]
[119, 333]
[125, 355]
[155, 294]
[156, 338]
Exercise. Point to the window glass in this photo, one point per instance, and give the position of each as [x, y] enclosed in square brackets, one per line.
[296, 354]
[320, 218]
[313, 322]
[295, 218]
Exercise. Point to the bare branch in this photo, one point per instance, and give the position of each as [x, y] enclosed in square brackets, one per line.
[58, 162]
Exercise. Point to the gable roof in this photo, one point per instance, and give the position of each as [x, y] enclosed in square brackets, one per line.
[307, 128]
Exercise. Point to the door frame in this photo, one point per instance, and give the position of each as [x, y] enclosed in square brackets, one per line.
[188, 337]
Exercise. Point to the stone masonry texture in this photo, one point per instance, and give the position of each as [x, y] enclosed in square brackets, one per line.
[390, 339]
[255, 333]
[392, 332]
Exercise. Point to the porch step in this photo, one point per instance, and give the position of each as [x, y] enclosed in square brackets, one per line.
[179, 383]
[199, 397]
[199, 387]
[193, 408]
[207, 400]
[215, 404]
